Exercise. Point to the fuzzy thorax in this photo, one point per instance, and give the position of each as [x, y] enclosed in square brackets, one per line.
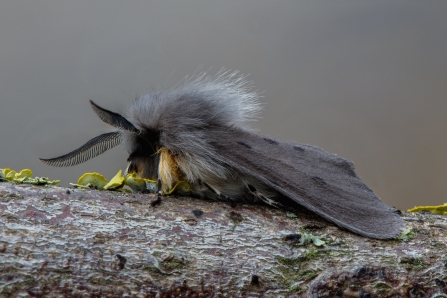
[190, 116]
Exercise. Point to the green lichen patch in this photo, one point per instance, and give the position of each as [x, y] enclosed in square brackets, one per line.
[116, 182]
[440, 209]
[407, 235]
[25, 176]
[291, 215]
[305, 239]
[128, 183]
[140, 184]
[89, 180]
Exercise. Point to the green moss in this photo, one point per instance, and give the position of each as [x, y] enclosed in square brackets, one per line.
[157, 253]
[99, 280]
[298, 268]
[390, 260]
[307, 256]
[414, 263]
[154, 270]
[9, 197]
[8, 291]
[168, 262]
[381, 288]
[438, 245]
[307, 275]
[169, 265]
[13, 288]
[296, 289]
[311, 254]
[290, 261]
[57, 279]
[419, 264]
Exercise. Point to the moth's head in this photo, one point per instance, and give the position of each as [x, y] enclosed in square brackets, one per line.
[142, 148]
[141, 144]
[181, 119]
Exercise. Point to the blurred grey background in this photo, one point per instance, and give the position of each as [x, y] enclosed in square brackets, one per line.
[367, 81]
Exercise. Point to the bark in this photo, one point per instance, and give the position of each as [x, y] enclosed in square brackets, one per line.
[85, 243]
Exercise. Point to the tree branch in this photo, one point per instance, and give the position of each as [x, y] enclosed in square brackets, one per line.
[55, 241]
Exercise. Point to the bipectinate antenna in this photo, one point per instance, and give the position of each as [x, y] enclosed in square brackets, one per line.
[92, 148]
[114, 119]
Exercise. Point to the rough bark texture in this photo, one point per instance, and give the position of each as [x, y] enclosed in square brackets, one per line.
[87, 243]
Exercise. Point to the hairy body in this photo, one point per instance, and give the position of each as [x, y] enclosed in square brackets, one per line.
[199, 132]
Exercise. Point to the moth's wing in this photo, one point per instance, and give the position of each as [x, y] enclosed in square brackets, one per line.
[92, 148]
[322, 182]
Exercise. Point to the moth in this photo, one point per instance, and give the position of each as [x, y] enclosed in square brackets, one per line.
[199, 132]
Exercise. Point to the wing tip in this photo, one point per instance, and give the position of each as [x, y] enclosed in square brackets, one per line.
[384, 230]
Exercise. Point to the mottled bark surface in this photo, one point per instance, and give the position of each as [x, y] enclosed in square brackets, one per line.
[87, 243]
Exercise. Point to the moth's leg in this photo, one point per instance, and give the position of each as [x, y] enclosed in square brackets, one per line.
[269, 201]
[159, 184]
[221, 195]
[159, 189]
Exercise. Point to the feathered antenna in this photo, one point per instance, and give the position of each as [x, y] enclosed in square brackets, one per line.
[98, 145]
[113, 119]
[92, 148]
